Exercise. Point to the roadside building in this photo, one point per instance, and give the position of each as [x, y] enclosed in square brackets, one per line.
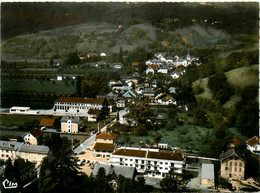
[150, 162]
[77, 105]
[33, 137]
[207, 175]
[103, 150]
[15, 150]
[106, 137]
[234, 142]
[93, 115]
[47, 123]
[70, 124]
[19, 109]
[232, 165]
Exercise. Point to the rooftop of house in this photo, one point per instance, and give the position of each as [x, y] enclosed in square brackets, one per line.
[80, 100]
[130, 152]
[231, 153]
[41, 149]
[36, 133]
[73, 119]
[235, 141]
[253, 141]
[47, 122]
[164, 155]
[105, 135]
[104, 146]
[19, 146]
[126, 171]
[93, 111]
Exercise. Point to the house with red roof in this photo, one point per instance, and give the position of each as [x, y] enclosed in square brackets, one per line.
[153, 163]
[77, 104]
[47, 123]
[253, 145]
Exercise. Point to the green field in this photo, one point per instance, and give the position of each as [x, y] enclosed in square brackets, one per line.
[17, 120]
[55, 87]
[185, 137]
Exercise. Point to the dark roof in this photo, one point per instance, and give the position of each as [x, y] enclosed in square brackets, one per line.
[104, 146]
[235, 141]
[169, 155]
[130, 152]
[93, 111]
[253, 141]
[105, 135]
[230, 153]
[36, 133]
[80, 100]
[47, 122]
[73, 119]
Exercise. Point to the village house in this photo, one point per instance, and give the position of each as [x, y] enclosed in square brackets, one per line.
[150, 162]
[32, 137]
[15, 150]
[232, 165]
[70, 124]
[234, 142]
[163, 70]
[47, 123]
[253, 145]
[77, 105]
[149, 70]
[120, 103]
[105, 144]
[19, 109]
[93, 115]
[165, 99]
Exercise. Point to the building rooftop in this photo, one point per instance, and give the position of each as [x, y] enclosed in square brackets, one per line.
[41, 149]
[166, 155]
[230, 153]
[93, 111]
[253, 141]
[104, 146]
[80, 100]
[130, 152]
[36, 133]
[105, 135]
[47, 122]
[73, 119]
[126, 171]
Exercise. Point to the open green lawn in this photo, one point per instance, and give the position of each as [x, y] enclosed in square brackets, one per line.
[17, 120]
[185, 137]
[58, 87]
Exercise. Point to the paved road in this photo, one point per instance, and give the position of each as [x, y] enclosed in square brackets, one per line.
[91, 139]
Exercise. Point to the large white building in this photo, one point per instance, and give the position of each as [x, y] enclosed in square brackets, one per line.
[150, 162]
[77, 105]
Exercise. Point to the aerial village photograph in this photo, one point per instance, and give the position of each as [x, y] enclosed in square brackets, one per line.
[134, 97]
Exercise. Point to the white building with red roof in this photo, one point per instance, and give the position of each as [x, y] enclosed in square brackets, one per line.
[253, 144]
[77, 105]
[150, 162]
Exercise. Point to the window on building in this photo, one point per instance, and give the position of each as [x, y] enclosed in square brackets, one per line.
[240, 164]
[235, 163]
[166, 163]
[142, 161]
[131, 159]
[166, 168]
[3, 155]
[235, 169]
[121, 159]
[240, 169]
[230, 164]
[161, 163]
[226, 168]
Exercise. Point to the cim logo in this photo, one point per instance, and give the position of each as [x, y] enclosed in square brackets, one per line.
[8, 184]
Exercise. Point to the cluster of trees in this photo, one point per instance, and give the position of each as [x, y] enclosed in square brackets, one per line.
[220, 88]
